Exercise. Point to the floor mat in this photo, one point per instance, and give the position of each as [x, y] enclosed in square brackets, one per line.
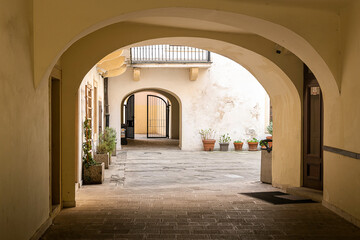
[278, 198]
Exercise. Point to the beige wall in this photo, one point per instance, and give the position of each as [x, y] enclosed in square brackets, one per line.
[225, 97]
[24, 128]
[342, 174]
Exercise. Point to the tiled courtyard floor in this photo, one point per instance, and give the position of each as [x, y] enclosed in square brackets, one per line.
[173, 194]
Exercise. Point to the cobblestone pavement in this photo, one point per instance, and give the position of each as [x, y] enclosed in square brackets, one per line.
[173, 194]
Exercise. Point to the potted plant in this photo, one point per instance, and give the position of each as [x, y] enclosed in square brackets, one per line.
[270, 130]
[224, 142]
[207, 136]
[102, 152]
[253, 144]
[93, 172]
[238, 145]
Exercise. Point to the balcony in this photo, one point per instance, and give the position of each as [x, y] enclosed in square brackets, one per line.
[169, 56]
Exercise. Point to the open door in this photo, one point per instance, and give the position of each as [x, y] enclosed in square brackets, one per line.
[158, 111]
[313, 132]
[130, 117]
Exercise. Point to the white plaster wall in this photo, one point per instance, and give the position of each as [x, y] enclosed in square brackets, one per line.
[89, 78]
[225, 97]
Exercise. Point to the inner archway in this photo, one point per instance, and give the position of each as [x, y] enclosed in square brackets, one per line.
[284, 95]
[169, 128]
[280, 77]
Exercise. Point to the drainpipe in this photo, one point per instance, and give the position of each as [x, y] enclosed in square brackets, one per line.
[106, 103]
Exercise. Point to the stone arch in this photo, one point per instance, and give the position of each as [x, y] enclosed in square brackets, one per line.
[252, 22]
[176, 105]
[281, 78]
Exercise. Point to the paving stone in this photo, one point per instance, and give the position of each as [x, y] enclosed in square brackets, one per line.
[190, 195]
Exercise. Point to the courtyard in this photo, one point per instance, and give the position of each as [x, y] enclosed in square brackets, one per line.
[166, 193]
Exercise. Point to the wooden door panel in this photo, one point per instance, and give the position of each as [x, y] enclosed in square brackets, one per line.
[313, 132]
[130, 117]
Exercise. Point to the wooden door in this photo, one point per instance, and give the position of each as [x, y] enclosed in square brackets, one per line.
[130, 117]
[313, 132]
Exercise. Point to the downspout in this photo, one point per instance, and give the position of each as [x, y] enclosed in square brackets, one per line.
[106, 102]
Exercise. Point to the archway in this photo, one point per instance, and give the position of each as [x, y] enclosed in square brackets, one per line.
[175, 122]
[284, 95]
[248, 30]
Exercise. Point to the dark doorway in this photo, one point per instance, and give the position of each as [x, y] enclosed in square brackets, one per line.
[130, 117]
[55, 142]
[313, 132]
[157, 117]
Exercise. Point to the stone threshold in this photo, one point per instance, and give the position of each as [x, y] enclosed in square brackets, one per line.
[315, 195]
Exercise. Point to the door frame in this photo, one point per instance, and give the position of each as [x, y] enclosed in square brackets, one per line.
[311, 81]
[55, 209]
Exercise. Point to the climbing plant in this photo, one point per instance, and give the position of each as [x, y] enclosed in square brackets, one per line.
[88, 159]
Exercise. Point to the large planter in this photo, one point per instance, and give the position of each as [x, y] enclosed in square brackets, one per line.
[94, 174]
[224, 147]
[269, 143]
[253, 146]
[266, 167]
[238, 146]
[102, 158]
[209, 144]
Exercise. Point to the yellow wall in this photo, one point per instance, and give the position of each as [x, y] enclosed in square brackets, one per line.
[141, 114]
[24, 124]
[342, 174]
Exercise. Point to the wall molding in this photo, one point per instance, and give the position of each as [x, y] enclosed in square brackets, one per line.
[348, 217]
[342, 152]
[42, 229]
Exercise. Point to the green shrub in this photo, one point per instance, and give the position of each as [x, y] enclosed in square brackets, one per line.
[270, 128]
[102, 148]
[253, 140]
[107, 140]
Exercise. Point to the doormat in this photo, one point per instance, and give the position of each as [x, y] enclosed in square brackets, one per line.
[278, 198]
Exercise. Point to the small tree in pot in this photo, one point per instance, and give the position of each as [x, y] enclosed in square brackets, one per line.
[207, 136]
[253, 144]
[109, 138]
[224, 142]
[92, 171]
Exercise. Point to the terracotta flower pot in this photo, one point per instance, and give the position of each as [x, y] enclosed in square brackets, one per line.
[224, 147]
[209, 144]
[253, 146]
[269, 143]
[238, 146]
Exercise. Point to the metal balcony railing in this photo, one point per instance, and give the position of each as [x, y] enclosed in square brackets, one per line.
[168, 54]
